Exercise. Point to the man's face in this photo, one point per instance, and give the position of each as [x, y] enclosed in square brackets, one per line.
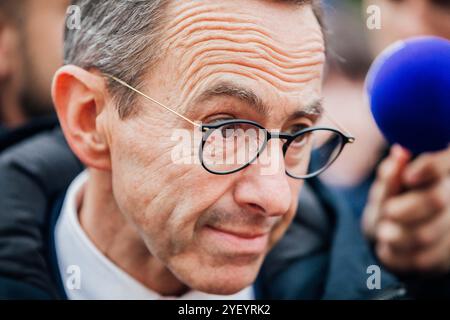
[407, 18]
[213, 231]
[41, 52]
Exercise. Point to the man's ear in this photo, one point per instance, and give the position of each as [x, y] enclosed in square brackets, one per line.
[79, 98]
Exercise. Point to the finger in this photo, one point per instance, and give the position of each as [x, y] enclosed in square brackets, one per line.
[433, 232]
[391, 170]
[393, 259]
[372, 210]
[416, 206]
[427, 168]
[410, 238]
[433, 259]
[370, 220]
[395, 235]
[388, 182]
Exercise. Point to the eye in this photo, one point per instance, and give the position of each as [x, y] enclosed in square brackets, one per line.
[218, 118]
[297, 128]
[232, 130]
[301, 140]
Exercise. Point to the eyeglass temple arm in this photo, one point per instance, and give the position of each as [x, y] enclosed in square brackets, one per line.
[350, 137]
[151, 99]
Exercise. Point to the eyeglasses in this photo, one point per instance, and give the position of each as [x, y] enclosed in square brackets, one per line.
[229, 146]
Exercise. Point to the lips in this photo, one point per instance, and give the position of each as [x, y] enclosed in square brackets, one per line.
[236, 242]
[241, 234]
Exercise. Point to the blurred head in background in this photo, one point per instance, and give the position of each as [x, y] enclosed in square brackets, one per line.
[348, 59]
[351, 50]
[402, 19]
[31, 33]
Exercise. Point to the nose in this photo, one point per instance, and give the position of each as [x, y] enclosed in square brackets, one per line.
[265, 191]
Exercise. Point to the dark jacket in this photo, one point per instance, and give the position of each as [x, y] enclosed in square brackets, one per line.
[33, 175]
[11, 137]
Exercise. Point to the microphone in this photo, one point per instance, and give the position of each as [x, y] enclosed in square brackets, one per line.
[408, 87]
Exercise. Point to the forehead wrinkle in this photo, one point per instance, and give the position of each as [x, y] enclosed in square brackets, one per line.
[186, 14]
[183, 10]
[286, 68]
[250, 58]
[248, 44]
[229, 28]
[189, 17]
[208, 44]
[280, 81]
[189, 90]
[197, 17]
[210, 21]
[246, 33]
[250, 65]
[257, 53]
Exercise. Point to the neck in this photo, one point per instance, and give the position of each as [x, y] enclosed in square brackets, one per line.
[117, 238]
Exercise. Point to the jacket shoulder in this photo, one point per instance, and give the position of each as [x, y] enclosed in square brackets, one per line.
[32, 174]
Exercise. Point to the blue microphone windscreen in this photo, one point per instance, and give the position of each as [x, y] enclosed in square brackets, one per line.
[409, 93]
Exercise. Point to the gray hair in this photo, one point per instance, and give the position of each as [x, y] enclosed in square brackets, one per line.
[121, 38]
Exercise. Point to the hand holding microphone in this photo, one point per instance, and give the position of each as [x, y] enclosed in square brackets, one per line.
[408, 212]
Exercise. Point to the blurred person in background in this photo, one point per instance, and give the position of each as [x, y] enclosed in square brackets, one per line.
[402, 19]
[352, 49]
[36, 163]
[410, 228]
[31, 32]
[407, 216]
[348, 60]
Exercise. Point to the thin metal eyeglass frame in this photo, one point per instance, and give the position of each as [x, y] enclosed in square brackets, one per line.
[210, 128]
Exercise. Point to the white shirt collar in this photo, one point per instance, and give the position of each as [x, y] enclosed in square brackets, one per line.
[99, 277]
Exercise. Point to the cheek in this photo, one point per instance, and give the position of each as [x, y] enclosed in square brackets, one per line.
[281, 227]
[140, 171]
[163, 199]
[198, 191]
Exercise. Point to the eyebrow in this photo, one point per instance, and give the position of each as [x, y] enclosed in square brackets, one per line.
[246, 95]
[312, 110]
